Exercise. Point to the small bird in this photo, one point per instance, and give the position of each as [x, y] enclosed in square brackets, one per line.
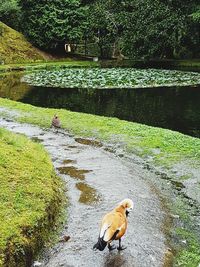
[56, 122]
[114, 225]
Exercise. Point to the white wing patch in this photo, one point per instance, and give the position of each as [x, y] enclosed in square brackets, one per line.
[104, 228]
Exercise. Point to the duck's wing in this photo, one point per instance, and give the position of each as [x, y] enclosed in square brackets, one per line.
[112, 225]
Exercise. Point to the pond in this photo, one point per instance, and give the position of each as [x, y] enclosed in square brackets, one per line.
[172, 107]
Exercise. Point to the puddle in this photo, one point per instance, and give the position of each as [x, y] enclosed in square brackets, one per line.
[73, 172]
[72, 146]
[88, 142]
[88, 194]
[67, 161]
[36, 139]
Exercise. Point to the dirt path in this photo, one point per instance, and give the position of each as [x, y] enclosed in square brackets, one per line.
[97, 180]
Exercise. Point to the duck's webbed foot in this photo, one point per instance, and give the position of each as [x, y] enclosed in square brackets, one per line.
[111, 247]
[120, 246]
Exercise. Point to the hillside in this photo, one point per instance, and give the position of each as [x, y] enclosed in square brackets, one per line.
[14, 48]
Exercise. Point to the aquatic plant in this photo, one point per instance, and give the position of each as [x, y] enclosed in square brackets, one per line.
[98, 78]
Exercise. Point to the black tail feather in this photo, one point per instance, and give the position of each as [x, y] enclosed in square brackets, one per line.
[100, 245]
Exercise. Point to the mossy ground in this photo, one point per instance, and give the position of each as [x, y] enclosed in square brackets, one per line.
[190, 255]
[30, 198]
[14, 48]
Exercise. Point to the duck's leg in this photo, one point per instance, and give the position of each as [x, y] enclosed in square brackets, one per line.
[111, 247]
[120, 246]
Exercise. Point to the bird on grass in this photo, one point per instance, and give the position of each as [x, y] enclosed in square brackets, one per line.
[113, 226]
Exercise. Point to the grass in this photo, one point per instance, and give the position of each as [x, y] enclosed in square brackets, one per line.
[190, 255]
[171, 147]
[48, 65]
[30, 198]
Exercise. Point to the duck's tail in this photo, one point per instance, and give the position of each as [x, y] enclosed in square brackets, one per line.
[100, 245]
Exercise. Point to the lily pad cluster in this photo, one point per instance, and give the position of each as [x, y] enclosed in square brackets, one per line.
[102, 78]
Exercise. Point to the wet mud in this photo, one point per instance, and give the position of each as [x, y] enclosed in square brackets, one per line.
[108, 179]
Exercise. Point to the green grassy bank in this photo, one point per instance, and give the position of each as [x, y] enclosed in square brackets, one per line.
[47, 65]
[164, 146]
[30, 199]
[15, 48]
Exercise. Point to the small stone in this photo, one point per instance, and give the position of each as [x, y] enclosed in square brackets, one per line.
[184, 241]
[37, 263]
[175, 216]
[65, 238]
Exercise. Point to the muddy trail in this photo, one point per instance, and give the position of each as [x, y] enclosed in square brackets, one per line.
[96, 180]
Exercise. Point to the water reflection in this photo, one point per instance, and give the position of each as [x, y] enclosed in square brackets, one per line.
[11, 86]
[88, 194]
[172, 108]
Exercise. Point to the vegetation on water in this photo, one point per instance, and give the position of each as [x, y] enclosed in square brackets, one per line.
[30, 199]
[111, 78]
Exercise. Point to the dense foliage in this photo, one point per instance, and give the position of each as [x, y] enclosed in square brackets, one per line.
[117, 28]
[51, 24]
[10, 13]
[145, 28]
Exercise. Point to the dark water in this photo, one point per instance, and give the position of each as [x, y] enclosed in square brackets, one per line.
[176, 108]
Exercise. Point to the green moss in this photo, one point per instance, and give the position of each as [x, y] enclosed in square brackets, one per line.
[30, 198]
[15, 48]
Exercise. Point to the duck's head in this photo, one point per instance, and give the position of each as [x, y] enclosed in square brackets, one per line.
[127, 204]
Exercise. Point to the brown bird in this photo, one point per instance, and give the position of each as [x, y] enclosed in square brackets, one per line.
[114, 225]
[56, 122]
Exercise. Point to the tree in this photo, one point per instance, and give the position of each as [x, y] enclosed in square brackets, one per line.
[159, 29]
[145, 28]
[51, 24]
[105, 26]
[10, 13]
